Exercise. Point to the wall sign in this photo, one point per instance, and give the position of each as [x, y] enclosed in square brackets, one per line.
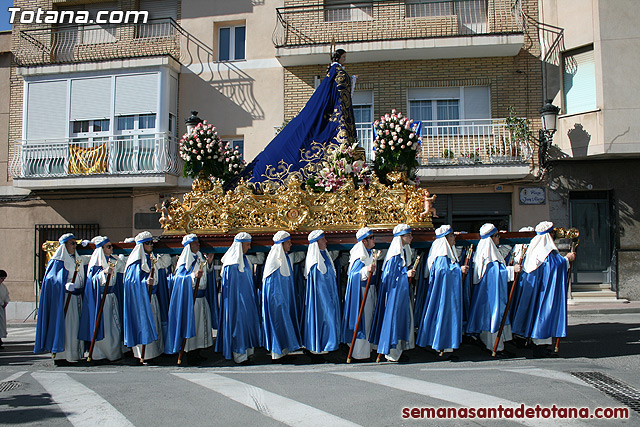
[532, 196]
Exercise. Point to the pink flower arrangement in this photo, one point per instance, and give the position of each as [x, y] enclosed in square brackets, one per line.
[340, 167]
[396, 145]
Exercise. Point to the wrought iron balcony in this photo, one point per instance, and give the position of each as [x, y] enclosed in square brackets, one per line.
[121, 155]
[366, 21]
[82, 43]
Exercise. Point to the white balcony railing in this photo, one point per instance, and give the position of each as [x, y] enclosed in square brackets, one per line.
[106, 156]
[462, 142]
[471, 141]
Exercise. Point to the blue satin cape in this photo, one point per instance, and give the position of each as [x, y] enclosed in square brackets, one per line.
[396, 321]
[91, 304]
[50, 322]
[182, 323]
[441, 326]
[239, 325]
[280, 314]
[326, 120]
[321, 328]
[541, 311]
[138, 323]
[352, 300]
[489, 300]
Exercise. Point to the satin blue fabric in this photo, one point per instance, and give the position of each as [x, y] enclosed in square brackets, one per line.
[50, 322]
[211, 294]
[489, 300]
[422, 287]
[467, 286]
[327, 112]
[352, 301]
[321, 327]
[138, 321]
[239, 326]
[90, 305]
[164, 296]
[280, 313]
[181, 323]
[378, 312]
[396, 320]
[541, 309]
[441, 326]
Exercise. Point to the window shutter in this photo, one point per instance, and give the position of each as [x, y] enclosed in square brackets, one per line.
[579, 82]
[173, 96]
[477, 104]
[160, 8]
[136, 94]
[90, 98]
[47, 110]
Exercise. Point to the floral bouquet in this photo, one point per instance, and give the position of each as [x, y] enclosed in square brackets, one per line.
[396, 145]
[204, 154]
[340, 167]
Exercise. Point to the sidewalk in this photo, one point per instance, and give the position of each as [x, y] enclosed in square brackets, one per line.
[603, 308]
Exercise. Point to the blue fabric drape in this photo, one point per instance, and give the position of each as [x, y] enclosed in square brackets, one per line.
[50, 322]
[280, 314]
[182, 323]
[90, 305]
[541, 309]
[326, 120]
[211, 294]
[321, 326]
[489, 300]
[139, 323]
[395, 324]
[352, 301]
[239, 325]
[441, 325]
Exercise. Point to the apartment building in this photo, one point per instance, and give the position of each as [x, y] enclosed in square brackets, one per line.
[592, 179]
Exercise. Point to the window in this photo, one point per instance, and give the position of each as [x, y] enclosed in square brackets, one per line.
[471, 15]
[231, 42]
[339, 10]
[82, 127]
[579, 80]
[143, 121]
[362, 101]
[236, 143]
[450, 110]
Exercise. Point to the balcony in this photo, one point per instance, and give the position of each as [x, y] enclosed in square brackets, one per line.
[398, 30]
[482, 149]
[118, 161]
[88, 43]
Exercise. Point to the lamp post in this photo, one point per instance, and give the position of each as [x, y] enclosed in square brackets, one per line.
[192, 121]
[549, 115]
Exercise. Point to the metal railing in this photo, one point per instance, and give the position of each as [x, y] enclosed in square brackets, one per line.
[80, 43]
[471, 142]
[360, 21]
[104, 156]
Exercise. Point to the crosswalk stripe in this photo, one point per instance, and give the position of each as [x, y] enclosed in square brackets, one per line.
[548, 374]
[285, 410]
[454, 395]
[81, 405]
[14, 376]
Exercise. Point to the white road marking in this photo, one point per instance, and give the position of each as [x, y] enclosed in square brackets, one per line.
[285, 410]
[549, 374]
[81, 405]
[14, 376]
[458, 396]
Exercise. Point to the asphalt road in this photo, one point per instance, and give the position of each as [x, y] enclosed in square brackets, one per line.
[33, 391]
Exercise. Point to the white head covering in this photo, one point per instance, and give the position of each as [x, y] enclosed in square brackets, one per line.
[234, 254]
[188, 239]
[277, 256]
[138, 253]
[129, 240]
[540, 247]
[441, 246]
[486, 252]
[62, 254]
[358, 251]
[187, 255]
[396, 247]
[314, 254]
[98, 257]
[518, 249]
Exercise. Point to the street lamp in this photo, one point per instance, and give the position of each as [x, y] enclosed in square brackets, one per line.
[549, 115]
[192, 121]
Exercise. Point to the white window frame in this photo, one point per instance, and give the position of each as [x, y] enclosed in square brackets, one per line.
[339, 11]
[364, 98]
[235, 140]
[232, 42]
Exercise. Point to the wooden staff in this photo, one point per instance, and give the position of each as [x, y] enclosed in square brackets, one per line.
[112, 264]
[150, 290]
[375, 254]
[195, 295]
[73, 280]
[574, 246]
[506, 309]
[415, 266]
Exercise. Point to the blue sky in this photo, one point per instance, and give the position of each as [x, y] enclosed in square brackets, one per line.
[4, 14]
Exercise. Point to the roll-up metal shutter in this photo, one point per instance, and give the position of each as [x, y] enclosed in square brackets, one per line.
[136, 94]
[46, 110]
[160, 8]
[482, 204]
[91, 98]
